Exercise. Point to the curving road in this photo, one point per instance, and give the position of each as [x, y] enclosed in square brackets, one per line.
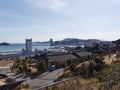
[45, 79]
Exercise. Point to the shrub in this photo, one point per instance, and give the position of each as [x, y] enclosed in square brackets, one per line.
[109, 77]
[25, 86]
[64, 64]
[72, 67]
[41, 66]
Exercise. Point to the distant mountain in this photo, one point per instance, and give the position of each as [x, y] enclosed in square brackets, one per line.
[70, 41]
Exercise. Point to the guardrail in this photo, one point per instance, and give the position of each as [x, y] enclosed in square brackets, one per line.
[55, 83]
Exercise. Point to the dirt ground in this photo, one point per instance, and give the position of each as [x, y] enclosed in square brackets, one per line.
[4, 62]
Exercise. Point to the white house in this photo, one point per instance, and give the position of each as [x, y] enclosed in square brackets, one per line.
[92, 43]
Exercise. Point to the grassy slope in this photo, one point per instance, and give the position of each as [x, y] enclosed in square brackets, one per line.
[110, 77]
[107, 79]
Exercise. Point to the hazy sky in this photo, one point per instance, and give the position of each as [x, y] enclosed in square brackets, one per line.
[58, 19]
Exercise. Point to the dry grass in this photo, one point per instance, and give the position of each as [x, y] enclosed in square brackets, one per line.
[33, 69]
[2, 82]
[4, 62]
[109, 59]
[107, 79]
[77, 84]
[110, 77]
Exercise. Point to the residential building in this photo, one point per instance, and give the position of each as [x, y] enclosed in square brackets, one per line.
[90, 43]
[107, 44]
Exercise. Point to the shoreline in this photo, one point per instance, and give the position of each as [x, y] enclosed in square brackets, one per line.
[9, 52]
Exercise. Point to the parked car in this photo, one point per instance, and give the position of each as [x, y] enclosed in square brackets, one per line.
[52, 68]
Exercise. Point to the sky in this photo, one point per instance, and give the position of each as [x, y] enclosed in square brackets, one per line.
[59, 19]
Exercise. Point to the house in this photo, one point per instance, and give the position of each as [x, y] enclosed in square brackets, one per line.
[90, 43]
[82, 54]
[107, 44]
[61, 57]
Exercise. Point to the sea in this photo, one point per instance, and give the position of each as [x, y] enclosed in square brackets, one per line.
[19, 47]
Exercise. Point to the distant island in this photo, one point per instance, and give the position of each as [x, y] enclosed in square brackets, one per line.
[4, 43]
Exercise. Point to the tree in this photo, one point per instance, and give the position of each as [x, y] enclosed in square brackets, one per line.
[72, 67]
[16, 63]
[91, 69]
[41, 66]
[64, 64]
[25, 66]
[30, 59]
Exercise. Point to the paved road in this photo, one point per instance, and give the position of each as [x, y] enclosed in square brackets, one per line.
[48, 78]
[44, 79]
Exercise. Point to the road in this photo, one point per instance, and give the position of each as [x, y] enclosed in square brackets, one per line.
[45, 79]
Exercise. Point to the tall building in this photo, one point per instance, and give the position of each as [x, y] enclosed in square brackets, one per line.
[51, 42]
[28, 46]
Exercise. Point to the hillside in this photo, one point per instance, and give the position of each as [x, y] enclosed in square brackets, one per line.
[70, 41]
[106, 79]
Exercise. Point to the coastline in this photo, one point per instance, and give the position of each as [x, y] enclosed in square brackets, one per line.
[14, 54]
[9, 52]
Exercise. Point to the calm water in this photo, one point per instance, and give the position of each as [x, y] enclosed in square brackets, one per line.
[19, 47]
